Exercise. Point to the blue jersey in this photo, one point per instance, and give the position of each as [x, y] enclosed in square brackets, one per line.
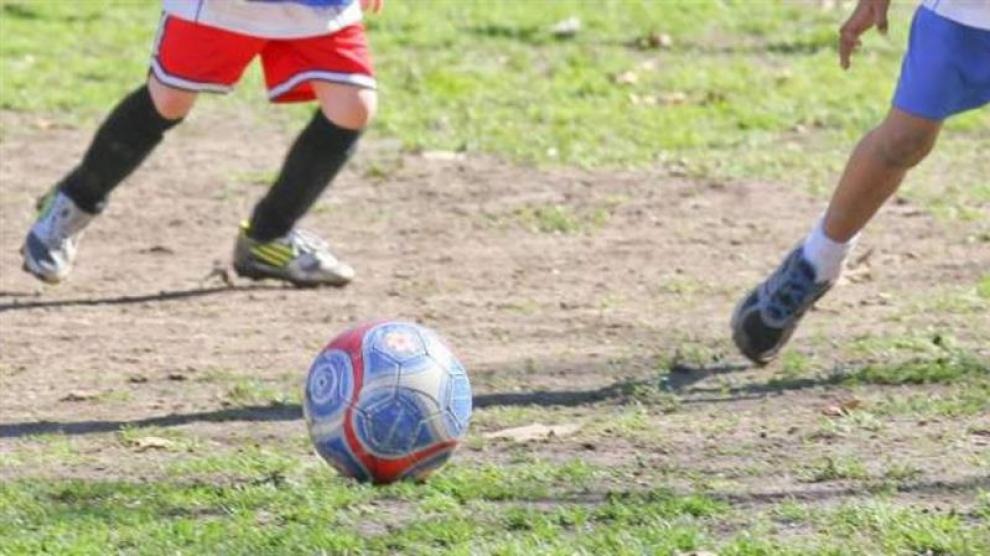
[276, 19]
[972, 13]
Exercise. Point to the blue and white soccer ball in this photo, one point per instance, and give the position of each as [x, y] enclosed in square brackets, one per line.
[387, 401]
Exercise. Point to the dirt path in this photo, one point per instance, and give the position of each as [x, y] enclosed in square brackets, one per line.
[648, 275]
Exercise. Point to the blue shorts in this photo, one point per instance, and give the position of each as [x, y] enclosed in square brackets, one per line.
[946, 69]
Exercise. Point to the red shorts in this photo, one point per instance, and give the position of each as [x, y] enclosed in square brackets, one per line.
[197, 57]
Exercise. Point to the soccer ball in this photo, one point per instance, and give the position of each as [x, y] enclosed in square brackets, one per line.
[387, 401]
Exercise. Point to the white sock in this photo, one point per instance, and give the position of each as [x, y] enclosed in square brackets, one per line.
[825, 254]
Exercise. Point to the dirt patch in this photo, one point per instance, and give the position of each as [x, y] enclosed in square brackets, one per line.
[643, 270]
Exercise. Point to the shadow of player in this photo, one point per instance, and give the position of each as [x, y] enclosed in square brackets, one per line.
[617, 392]
[174, 295]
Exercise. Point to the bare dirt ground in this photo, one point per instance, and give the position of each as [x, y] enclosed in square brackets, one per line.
[567, 324]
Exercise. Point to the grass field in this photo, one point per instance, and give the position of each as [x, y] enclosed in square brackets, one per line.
[743, 90]
[870, 436]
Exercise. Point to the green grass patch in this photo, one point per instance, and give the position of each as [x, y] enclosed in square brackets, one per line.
[835, 469]
[560, 219]
[867, 528]
[312, 510]
[249, 463]
[948, 368]
[971, 397]
[43, 449]
[983, 287]
[926, 358]
[897, 530]
[738, 91]
[252, 392]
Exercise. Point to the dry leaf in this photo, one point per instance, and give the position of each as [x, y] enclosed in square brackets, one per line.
[442, 155]
[842, 408]
[566, 28]
[856, 276]
[653, 40]
[675, 97]
[152, 443]
[851, 404]
[859, 270]
[626, 78]
[642, 100]
[536, 431]
[649, 65]
[46, 124]
[79, 396]
[832, 410]
[659, 40]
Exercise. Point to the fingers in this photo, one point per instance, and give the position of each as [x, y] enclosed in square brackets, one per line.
[848, 42]
[850, 31]
[373, 6]
[880, 15]
[882, 24]
[862, 18]
[868, 13]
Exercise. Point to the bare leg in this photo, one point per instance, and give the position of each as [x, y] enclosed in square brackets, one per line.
[131, 131]
[170, 102]
[270, 246]
[345, 105]
[875, 171]
[765, 319]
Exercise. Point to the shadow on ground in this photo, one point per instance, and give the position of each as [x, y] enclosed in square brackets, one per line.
[678, 383]
[807, 494]
[174, 295]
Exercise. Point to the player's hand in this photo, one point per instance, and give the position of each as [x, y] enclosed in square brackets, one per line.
[867, 14]
[373, 6]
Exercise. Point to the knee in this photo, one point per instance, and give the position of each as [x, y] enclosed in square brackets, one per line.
[171, 103]
[365, 108]
[901, 147]
[352, 108]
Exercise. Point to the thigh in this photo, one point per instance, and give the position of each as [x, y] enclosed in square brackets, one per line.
[195, 57]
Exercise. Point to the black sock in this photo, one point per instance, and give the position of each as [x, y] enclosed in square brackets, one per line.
[317, 155]
[126, 137]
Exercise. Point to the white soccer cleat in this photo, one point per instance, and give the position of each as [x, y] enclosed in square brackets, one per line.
[51, 243]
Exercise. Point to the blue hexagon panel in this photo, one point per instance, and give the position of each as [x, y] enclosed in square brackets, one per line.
[330, 384]
[389, 423]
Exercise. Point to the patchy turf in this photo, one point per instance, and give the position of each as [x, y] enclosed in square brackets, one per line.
[723, 90]
[145, 408]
